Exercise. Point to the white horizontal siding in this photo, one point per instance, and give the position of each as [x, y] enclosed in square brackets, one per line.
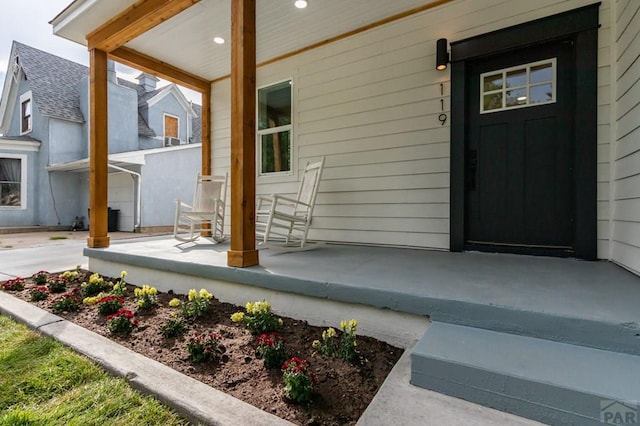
[626, 198]
[370, 104]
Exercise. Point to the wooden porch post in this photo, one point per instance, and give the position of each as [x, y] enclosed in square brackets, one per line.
[206, 144]
[206, 132]
[98, 149]
[243, 132]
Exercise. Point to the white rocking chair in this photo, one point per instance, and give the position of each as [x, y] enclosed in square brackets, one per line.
[206, 214]
[287, 219]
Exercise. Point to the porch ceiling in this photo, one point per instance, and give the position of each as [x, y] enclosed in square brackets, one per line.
[186, 40]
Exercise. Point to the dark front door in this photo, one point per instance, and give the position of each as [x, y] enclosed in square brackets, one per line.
[520, 185]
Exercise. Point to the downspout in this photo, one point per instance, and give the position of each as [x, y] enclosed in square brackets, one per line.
[138, 195]
[189, 118]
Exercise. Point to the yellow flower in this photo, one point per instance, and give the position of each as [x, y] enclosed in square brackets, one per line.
[123, 274]
[70, 274]
[90, 300]
[174, 303]
[237, 317]
[204, 294]
[95, 278]
[192, 295]
[249, 307]
[146, 290]
[315, 344]
[349, 326]
[328, 333]
[140, 302]
[279, 321]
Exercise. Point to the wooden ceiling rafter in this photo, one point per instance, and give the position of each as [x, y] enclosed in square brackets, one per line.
[134, 21]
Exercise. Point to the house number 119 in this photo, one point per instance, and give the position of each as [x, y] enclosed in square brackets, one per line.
[442, 117]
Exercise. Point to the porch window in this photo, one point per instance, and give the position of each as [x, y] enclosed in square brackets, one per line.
[11, 182]
[274, 129]
[25, 113]
[517, 87]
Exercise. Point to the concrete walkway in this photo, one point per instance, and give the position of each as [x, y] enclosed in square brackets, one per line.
[22, 254]
[396, 403]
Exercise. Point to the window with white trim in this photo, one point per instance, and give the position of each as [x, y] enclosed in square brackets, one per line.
[26, 113]
[12, 181]
[275, 129]
[517, 87]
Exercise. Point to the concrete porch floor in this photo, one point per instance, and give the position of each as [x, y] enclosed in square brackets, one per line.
[588, 303]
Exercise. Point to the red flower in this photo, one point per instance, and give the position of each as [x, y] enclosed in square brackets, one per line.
[110, 298]
[122, 313]
[270, 339]
[295, 364]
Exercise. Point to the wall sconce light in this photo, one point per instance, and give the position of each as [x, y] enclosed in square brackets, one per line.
[301, 4]
[442, 55]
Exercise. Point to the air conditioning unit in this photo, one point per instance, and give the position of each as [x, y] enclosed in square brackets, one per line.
[172, 141]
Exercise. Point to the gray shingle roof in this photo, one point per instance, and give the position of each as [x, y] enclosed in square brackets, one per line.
[54, 82]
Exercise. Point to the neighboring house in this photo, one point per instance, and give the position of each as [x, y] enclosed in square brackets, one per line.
[44, 148]
[528, 142]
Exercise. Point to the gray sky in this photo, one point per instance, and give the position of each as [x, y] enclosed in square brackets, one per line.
[27, 21]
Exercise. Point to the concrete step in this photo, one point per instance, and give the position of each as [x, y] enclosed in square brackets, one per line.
[552, 382]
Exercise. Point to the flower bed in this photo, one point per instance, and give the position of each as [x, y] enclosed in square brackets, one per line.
[194, 333]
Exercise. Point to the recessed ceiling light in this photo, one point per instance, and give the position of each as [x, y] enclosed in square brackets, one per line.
[218, 40]
[301, 4]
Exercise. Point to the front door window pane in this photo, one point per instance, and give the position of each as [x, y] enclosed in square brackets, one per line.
[492, 101]
[517, 78]
[517, 97]
[541, 73]
[493, 82]
[520, 86]
[541, 93]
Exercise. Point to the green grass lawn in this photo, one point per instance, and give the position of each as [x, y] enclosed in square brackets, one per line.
[44, 383]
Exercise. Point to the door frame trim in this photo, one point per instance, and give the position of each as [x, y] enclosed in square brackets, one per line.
[580, 24]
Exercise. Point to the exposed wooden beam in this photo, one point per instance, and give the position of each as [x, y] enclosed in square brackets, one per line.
[98, 150]
[243, 251]
[146, 63]
[134, 21]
